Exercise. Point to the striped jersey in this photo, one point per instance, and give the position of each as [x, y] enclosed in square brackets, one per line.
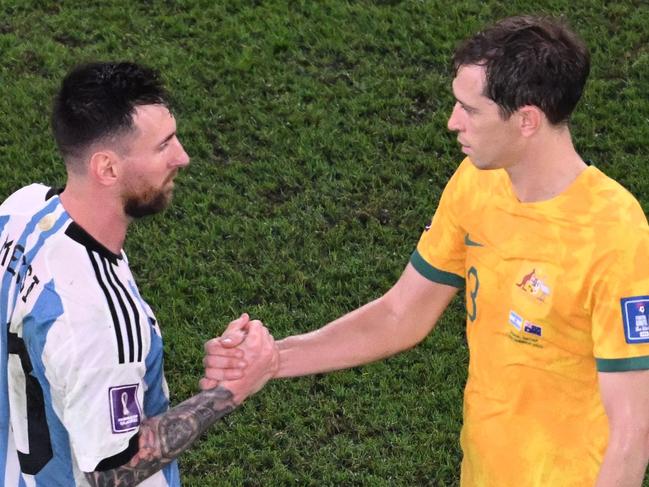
[556, 291]
[81, 355]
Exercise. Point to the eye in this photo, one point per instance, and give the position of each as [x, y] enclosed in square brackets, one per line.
[163, 146]
[468, 110]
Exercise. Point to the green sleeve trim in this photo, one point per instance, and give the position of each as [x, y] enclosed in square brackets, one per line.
[433, 274]
[622, 364]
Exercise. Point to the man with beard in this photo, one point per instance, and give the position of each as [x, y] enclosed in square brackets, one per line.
[83, 398]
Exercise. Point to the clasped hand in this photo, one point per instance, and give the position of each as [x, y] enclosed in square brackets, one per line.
[242, 360]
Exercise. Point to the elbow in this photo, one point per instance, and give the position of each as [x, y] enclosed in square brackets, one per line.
[405, 329]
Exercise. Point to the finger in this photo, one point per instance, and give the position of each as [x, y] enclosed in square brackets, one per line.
[236, 331]
[217, 362]
[223, 374]
[257, 328]
[258, 336]
[215, 347]
[206, 384]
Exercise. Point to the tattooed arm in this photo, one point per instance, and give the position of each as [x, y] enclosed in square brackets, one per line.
[164, 437]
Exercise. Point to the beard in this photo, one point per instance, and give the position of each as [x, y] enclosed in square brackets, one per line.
[146, 203]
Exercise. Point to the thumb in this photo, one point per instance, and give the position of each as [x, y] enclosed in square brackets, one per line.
[206, 384]
[236, 332]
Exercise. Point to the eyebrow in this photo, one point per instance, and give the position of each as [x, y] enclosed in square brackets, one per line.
[466, 106]
[168, 138]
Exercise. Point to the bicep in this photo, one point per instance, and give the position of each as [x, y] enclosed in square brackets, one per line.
[418, 301]
[625, 396]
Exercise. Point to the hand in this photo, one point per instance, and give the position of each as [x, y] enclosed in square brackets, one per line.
[222, 361]
[263, 361]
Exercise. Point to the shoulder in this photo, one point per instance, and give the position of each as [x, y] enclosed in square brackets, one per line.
[470, 188]
[612, 204]
[26, 200]
[619, 232]
[468, 177]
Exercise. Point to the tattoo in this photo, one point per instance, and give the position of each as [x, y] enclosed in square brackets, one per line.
[164, 437]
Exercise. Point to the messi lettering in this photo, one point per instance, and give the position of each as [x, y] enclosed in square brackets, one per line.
[15, 262]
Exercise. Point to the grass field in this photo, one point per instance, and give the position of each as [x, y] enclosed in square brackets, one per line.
[319, 150]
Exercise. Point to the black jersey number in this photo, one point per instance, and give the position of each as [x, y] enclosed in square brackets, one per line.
[38, 434]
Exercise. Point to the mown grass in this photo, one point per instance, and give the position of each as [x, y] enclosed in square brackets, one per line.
[319, 150]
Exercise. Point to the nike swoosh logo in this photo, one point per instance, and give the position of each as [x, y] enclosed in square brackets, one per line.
[470, 243]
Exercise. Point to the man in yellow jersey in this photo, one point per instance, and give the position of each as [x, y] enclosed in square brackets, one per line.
[554, 259]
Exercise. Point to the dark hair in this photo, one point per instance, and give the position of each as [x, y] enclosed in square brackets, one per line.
[529, 61]
[98, 100]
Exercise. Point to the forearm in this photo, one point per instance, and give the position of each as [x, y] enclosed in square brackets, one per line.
[624, 465]
[398, 320]
[164, 437]
[369, 333]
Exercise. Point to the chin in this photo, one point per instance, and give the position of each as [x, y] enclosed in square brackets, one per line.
[485, 166]
[478, 163]
[139, 207]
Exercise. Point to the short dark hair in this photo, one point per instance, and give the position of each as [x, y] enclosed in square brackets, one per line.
[98, 100]
[529, 60]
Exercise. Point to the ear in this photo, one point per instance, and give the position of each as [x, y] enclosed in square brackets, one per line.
[530, 119]
[104, 167]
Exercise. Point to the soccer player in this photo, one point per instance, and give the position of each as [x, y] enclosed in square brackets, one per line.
[554, 259]
[83, 398]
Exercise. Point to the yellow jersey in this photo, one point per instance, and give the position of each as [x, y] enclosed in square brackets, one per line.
[555, 292]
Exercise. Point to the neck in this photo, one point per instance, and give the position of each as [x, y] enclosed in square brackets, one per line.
[97, 213]
[548, 166]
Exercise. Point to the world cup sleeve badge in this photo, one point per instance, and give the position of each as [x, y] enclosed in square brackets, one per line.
[124, 408]
[634, 318]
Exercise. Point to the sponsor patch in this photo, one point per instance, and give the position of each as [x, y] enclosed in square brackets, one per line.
[634, 318]
[124, 408]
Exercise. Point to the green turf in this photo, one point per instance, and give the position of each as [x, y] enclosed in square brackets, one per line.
[319, 150]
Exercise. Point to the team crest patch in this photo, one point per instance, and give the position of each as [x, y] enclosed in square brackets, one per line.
[634, 318]
[534, 285]
[124, 408]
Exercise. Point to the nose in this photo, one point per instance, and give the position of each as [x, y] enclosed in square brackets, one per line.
[182, 159]
[453, 123]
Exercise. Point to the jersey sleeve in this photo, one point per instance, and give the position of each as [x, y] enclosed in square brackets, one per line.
[97, 400]
[440, 254]
[620, 307]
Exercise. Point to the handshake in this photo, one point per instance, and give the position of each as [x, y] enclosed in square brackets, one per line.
[241, 360]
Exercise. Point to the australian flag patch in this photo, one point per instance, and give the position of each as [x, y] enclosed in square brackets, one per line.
[533, 329]
[635, 312]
